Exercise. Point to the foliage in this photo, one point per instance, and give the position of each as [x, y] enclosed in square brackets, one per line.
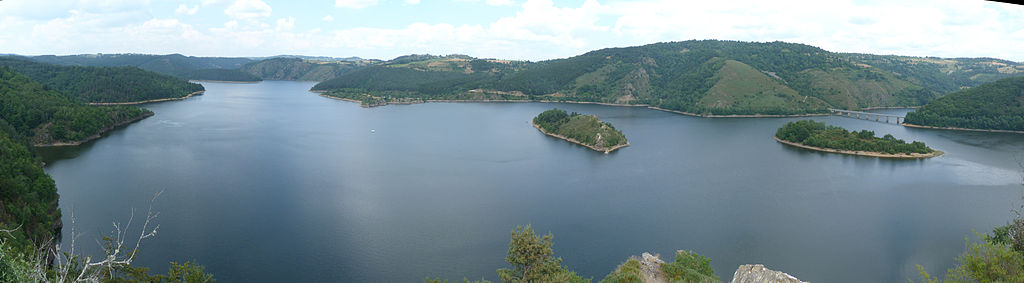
[102, 84]
[173, 64]
[583, 128]
[299, 69]
[28, 197]
[690, 267]
[817, 134]
[773, 78]
[997, 105]
[229, 75]
[628, 272]
[532, 259]
[32, 110]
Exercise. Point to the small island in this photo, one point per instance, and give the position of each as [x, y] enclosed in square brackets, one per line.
[817, 136]
[585, 130]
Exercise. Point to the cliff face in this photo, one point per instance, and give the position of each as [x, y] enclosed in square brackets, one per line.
[756, 273]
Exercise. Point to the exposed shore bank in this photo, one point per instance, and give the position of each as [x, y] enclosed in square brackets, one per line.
[572, 140]
[961, 129]
[322, 93]
[97, 135]
[146, 101]
[863, 153]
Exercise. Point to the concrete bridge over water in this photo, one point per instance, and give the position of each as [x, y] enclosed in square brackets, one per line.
[879, 117]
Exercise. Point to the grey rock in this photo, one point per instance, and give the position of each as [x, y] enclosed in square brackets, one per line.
[757, 273]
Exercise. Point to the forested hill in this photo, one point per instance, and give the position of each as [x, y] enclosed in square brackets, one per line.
[297, 69]
[996, 105]
[943, 75]
[702, 77]
[102, 84]
[172, 64]
[31, 113]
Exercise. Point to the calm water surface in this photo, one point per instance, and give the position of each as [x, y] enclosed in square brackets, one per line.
[268, 182]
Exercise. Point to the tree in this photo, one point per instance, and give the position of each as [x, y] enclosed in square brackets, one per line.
[532, 259]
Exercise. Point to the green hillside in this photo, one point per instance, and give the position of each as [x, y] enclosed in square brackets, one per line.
[942, 75]
[997, 105]
[102, 84]
[231, 75]
[172, 64]
[697, 76]
[300, 69]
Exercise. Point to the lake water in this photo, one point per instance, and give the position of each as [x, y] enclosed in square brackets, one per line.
[269, 182]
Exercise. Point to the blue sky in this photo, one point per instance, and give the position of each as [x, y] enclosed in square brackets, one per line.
[507, 29]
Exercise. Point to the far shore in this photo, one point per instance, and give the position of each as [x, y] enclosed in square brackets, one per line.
[146, 101]
[961, 129]
[572, 140]
[862, 153]
[228, 82]
[97, 135]
[323, 93]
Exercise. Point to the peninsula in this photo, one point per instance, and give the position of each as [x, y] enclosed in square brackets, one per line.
[817, 136]
[585, 130]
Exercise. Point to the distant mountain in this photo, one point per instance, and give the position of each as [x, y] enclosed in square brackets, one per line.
[943, 75]
[173, 64]
[102, 84]
[997, 105]
[698, 76]
[297, 69]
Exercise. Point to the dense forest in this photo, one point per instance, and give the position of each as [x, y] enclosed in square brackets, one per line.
[706, 77]
[31, 113]
[296, 69]
[586, 129]
[817, 134]
[30, 225]
[102, 84]
[997, 105]
[227, 75]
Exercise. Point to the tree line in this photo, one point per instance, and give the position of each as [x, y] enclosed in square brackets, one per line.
[817, 134]
[997, 105]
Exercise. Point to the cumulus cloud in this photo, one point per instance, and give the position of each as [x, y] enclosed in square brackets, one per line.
[327, 18]
[354, 4]
[185, 10]
[412, 2]
[248, 9]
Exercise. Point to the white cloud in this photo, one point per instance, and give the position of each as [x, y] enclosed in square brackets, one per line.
[412, 2]
[185, 10]
[328, 18]
[499, 2]
[354, 4]
[285, 24]
[248, 9]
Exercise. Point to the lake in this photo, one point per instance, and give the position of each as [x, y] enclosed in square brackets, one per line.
[269, 182]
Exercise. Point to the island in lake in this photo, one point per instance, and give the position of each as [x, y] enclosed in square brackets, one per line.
[585, 130]
[817, 136]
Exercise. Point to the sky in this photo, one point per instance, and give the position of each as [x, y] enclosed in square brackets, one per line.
[505, 29]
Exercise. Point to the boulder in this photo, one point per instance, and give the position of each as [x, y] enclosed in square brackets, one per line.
[757, 273]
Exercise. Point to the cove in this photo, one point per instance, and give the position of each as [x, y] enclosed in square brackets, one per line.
[269, 182]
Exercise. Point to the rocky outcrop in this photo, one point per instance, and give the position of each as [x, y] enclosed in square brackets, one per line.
[757, 273]
[650, 268]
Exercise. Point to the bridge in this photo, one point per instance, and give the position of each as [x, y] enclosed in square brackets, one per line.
[879, 117]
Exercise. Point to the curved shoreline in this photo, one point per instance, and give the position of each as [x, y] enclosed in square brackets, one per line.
[572, 140]
[323, 93]
[145, 101]
[97, 135]
[961, 129]
[228, 82]
[862, 153]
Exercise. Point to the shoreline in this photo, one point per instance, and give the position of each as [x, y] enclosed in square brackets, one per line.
[322, 93]
[97, 135]
[961, 129]
[228, 82]
[146, 101]
[572, 140]
[862, 153]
